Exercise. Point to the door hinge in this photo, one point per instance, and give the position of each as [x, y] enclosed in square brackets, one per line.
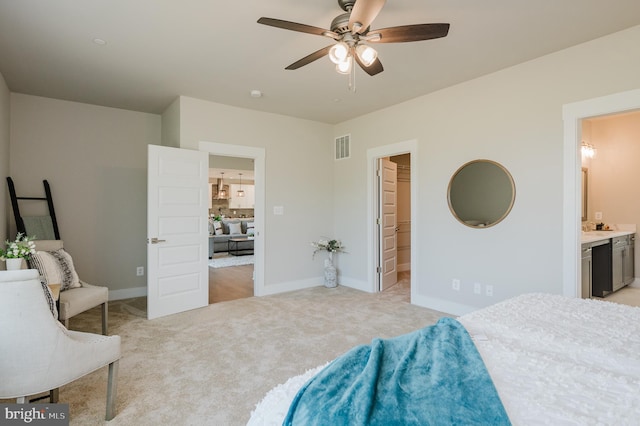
[377, 221]
[378, 270]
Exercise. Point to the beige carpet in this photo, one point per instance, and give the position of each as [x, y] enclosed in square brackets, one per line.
[213, 365]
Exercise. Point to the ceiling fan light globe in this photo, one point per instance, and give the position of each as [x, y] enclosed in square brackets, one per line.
[344, 67]
[366, 54]
[339, 52]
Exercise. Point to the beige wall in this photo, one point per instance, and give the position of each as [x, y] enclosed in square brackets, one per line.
[95, 159]
[614, 174]
[513, 117]
[299, 166]
[4, 159]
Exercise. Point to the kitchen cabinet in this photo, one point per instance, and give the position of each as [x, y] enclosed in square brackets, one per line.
[246, 202]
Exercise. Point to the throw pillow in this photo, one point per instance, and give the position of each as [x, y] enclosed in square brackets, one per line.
[250, 228]
[234, 228]
[217, 226]
[55, 267]
[50, 301]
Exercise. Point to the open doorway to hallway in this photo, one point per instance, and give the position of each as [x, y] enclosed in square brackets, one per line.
[231, 228]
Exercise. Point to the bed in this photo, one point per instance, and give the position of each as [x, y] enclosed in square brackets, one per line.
[551, 360]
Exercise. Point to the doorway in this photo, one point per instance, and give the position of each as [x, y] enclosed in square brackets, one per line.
[257, 157]
[403, 156]
[573, 114]
[231, 203]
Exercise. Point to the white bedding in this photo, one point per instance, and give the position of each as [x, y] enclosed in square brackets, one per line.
[554, 361]
[561, 361]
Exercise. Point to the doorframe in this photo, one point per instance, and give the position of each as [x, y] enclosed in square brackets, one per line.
[258, 156]
[573, 114]
[373, 154]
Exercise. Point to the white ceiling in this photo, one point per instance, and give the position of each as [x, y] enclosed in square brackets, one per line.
[214, 50]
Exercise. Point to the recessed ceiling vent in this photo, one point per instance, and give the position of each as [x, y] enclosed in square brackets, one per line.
[343, 148]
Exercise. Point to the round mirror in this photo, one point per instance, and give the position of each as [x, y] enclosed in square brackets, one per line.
[481, 193]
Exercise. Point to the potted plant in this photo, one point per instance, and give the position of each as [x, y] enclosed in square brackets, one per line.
[331, 246]
[21, 248]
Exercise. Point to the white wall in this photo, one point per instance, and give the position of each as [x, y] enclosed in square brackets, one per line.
[95, 159]
[513, 117]
[299, 177]
[171, 125]
[5, 205]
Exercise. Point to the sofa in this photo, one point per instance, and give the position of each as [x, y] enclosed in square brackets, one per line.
[221, 231]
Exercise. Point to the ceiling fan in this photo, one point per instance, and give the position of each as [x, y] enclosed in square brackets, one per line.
[351, 31]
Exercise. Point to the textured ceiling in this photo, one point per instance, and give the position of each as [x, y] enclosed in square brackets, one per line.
[157, 50]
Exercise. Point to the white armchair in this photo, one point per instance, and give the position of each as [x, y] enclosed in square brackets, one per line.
[77, 300]
[38, 353]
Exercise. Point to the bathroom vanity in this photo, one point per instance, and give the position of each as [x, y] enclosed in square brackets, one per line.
[607, 261]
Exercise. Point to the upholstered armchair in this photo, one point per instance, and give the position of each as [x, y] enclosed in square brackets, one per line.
[77, 300]
[38, 353]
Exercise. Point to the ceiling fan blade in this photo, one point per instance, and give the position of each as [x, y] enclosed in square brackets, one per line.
[373, 69]
[407, 33]
[309, 58]
[363, 14]
[293, 26]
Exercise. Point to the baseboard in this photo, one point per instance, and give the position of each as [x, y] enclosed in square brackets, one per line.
[356, 284]
[127, 293]
[404, 267]
[291, 286]
[441, 305]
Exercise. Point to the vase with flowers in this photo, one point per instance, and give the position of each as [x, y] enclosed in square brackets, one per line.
[331, 246]
[21, 248]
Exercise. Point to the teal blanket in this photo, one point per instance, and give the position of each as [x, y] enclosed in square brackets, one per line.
[433, 376]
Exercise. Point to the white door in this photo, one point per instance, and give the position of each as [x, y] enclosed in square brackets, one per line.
[177, 230]
[388, 172]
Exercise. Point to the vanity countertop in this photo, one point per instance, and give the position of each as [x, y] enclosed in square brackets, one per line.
[591, 236]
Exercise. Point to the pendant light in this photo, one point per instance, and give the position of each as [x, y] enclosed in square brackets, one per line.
[240, 192]
[222, 194]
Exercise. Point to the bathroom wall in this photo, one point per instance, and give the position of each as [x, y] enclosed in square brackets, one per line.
[614, 172]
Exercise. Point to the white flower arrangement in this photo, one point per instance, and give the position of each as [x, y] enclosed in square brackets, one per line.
[325, 244]
[21, 248]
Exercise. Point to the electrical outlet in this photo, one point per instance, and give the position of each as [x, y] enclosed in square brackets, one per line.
[455, 284]
[140, 271]
[477, 288]
[598, 215]
[489, 290]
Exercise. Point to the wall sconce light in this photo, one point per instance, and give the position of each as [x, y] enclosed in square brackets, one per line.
[588, 150]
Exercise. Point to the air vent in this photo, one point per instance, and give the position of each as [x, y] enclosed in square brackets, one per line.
[343, 150]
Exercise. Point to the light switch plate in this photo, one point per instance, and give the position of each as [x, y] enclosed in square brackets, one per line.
[455, 284]
[279, 210]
